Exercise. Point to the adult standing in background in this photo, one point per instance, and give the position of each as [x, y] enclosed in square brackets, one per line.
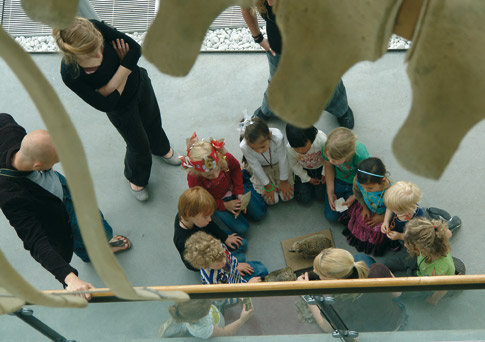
[338, 105]
[100, 65]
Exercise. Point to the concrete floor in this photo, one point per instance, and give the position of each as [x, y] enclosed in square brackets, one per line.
[223, 86]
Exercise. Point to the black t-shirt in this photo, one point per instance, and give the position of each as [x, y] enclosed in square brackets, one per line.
[180, 235]
[272, 30]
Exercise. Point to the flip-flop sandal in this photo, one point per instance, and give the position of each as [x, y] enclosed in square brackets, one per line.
[119, 241]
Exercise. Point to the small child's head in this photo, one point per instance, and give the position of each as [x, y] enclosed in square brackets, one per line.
[402, 198]
[340, 145]
[300, 139]
[205, 158]
[371, 174]
[336, 263]
[197, 205]
[204, 251]
[257, 135]
[428, 237]
[190, 311]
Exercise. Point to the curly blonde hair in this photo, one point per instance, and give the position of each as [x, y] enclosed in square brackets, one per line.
[201, 149]
[402, 197]
[203, 250]
[340, 144]
[428, 237]
[81, 38]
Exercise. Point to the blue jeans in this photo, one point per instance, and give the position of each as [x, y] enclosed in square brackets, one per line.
[341, 189]
[337, 106]
[305, 192]
[259, 270]
[79, 247]
[256, 209]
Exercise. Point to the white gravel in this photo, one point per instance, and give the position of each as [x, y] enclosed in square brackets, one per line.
[227, 39]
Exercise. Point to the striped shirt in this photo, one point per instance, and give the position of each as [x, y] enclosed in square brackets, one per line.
[226, 275]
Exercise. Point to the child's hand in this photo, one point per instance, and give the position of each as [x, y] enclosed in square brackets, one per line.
[286, 189]
[375, 220]
[385, 227]
[365, 214]
[303, 277]
[323, 180]
[239, 198]
[392, 235]
[348, 202]
[244, 268]
[331, 199]
[314, 181]
[255, 280]
[269, 195]
[233, 241]
[246, 314]
[233, 206]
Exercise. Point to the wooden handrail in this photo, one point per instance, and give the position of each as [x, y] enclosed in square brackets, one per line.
[320, 286]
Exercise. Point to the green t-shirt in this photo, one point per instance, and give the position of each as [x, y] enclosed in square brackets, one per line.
[347, 171]
[443, 266]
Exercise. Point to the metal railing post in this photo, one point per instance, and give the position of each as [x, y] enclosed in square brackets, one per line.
[324, 303]
[27, 315]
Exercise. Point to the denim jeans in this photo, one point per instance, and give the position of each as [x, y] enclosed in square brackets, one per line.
[259, 270]
[79, 247]
[255, 210]
[305, 192]
[341, 189]
[337, 106]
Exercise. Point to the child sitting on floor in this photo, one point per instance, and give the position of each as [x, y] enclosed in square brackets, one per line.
[367, 214]
[217, 265]
[195, 208]
[342, 154]
[212, 167]
[305, 158]
[200, 318]
[264, 150]
[429, 240]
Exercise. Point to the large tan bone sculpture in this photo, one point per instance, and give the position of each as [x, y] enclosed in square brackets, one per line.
[447, 73]
[173, 41]
[70, 151]
[56, 13]
[8, 305]
[322, 39]
[14, 284]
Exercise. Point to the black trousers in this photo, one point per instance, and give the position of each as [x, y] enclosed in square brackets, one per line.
[140, 125]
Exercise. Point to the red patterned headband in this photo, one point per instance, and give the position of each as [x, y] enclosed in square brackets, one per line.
[208, 163]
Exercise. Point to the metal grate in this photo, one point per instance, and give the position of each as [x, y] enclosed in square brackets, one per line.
[125, 15]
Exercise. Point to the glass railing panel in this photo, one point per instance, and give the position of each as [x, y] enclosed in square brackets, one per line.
[372, 315]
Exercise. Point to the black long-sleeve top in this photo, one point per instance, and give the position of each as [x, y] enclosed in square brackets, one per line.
[180, 235]
[39, 217]
[85, 85]
[272, 30]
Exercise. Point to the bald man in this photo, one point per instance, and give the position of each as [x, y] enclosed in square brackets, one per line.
[37, 202]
